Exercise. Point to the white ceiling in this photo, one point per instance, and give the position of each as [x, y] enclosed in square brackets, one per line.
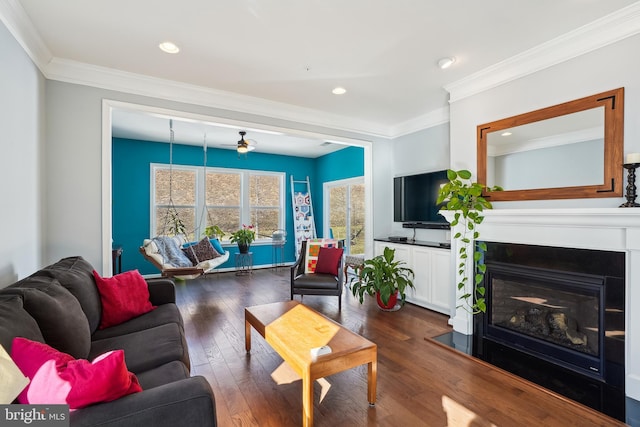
[291, 53]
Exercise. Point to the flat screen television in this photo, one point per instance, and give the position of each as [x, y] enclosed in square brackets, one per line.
[414, 198]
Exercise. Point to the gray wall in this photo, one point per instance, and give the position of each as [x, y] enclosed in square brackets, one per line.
[22, 147]
[423, 151]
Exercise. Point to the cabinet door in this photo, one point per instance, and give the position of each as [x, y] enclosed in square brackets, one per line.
[403, 252]
[421, 294]
[441, 291]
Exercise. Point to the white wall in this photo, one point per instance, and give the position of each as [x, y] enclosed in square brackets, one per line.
[21, 144]
[607, 68]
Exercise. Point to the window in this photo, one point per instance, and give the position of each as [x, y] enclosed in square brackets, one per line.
[229, 198]
[344, 212]
[179, 192]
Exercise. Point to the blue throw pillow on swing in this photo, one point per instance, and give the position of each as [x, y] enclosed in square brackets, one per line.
[217, 246]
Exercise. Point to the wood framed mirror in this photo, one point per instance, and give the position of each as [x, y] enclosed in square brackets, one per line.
[567, 151]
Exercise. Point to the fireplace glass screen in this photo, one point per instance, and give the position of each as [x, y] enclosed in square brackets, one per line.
[567, 316]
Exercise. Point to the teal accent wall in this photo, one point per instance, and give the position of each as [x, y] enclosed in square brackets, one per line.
[131, 180]
[342, 164]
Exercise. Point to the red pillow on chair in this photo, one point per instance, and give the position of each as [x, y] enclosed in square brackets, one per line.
[329, 260]
[123, 296]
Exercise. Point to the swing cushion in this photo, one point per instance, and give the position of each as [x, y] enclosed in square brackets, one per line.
[170, 252]
[201, 251]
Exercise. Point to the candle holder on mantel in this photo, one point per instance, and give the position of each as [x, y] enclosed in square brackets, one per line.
[631, 186]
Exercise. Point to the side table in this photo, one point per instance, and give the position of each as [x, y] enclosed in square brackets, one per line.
[244, 263]
[116, 258]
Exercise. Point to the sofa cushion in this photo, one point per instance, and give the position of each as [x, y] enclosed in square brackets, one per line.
[165, 374]
[163, 314]
[148, 349]
[15, 321]
[58, 378]
[58, 313]
[124, 296]
[76, 274]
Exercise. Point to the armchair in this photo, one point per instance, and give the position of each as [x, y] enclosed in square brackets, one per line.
[316, 283]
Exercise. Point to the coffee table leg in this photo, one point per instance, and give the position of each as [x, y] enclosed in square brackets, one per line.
[372, 380]
[247, 336]
[307, 399]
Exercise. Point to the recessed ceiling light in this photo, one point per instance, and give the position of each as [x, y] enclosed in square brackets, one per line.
[169, 47]
[339, 91]
[505, 133]
[446, 62]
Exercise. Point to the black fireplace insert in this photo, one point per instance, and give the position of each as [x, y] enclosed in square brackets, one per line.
[556, 317]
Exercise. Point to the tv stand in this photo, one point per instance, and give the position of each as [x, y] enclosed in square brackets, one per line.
[429, 225]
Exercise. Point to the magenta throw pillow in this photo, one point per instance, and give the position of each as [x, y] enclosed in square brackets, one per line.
[123, 296]
[58, 378]
[329, 260]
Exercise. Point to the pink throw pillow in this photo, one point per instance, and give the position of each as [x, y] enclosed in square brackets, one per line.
[329, 260]
[58, 378]
[124, 296]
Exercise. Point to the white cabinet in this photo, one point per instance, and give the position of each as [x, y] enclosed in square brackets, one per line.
[431, 267]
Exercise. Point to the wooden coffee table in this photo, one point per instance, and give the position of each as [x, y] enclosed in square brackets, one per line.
[293, 329]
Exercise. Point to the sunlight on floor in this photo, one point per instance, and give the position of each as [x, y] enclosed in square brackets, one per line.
[459, 416]
[284, 374]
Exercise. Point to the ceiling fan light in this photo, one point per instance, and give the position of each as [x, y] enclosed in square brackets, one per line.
[242, 149]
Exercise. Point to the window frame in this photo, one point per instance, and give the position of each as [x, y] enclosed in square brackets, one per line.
[245, 206]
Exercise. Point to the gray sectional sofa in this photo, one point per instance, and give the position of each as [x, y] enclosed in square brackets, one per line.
[60, 305]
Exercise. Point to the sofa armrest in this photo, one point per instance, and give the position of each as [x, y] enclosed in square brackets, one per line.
[187, 402]
[161, 291]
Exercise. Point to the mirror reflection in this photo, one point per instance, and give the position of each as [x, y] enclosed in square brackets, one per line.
[563, 151]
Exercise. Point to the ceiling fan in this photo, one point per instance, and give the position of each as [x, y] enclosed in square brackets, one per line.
[245, 145]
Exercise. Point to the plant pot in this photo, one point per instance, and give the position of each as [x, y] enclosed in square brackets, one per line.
[243, 248]
[393, 299]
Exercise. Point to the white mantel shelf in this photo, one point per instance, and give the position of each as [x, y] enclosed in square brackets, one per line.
[608, 229]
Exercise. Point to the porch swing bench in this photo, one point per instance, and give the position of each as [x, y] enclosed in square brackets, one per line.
[162, 252]
[172, 255]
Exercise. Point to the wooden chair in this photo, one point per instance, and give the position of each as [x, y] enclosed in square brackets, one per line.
[315, 283]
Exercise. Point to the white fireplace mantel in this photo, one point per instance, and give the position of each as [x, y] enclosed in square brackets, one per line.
[609, 229]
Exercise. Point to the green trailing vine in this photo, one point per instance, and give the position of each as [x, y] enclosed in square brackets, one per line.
[465, 198]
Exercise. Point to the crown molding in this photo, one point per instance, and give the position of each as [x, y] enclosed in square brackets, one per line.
[122, 81]
[425, 121]
[607, 30]
[17, 21]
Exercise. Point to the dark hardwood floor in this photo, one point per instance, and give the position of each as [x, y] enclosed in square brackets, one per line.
[420, 383]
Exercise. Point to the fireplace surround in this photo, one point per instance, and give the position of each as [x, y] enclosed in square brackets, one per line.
[606, 229]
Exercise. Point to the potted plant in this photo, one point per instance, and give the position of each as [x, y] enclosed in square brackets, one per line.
[214, 232]
[465, 197]
[243, 238]
[383, 277]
